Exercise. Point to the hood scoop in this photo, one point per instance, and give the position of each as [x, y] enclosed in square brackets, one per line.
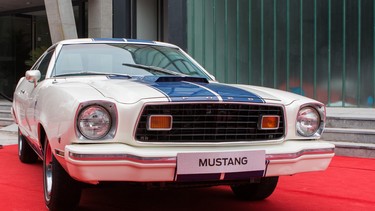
[175, 79]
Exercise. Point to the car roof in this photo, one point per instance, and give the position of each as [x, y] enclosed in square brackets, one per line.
[114, 40]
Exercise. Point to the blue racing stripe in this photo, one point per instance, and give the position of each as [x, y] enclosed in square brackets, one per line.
[230, 93]
[181, 91]
[139, 41]
[190, 90]
[109, 39]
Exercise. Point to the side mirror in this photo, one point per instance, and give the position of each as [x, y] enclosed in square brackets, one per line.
[33, 76]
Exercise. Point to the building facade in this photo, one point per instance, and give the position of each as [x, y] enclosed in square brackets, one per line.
[29, 27]
[323, 49]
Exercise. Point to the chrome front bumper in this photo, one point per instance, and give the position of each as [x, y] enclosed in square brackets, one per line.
[118, 162]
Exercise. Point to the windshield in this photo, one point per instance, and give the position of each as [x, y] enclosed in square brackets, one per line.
[124, 59]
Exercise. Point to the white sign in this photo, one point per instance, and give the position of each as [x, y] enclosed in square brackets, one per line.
[220, 162]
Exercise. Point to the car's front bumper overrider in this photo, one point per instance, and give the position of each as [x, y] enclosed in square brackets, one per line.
[119, 162]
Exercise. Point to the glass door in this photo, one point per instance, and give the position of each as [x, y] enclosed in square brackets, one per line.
[15, 41]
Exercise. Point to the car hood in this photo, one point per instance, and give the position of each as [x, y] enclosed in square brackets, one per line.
[186, 89]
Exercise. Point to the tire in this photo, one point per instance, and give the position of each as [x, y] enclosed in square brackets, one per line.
[61, 192]
[256, 191]
[26, 154]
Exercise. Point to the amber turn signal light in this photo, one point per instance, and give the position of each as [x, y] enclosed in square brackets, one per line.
[159, 122]
[270, 122]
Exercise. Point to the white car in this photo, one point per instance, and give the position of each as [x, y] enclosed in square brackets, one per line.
[145, 112]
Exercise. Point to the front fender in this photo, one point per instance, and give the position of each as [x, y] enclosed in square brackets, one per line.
[56, 108]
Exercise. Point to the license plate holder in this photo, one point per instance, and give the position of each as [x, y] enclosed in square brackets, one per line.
[205, 166]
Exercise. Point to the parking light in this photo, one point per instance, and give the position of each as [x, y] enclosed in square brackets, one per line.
[159, 122]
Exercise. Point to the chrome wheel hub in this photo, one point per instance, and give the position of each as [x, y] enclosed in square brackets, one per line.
[48, 178]
[19, 146]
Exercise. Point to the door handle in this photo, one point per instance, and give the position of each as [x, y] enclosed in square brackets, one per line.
[22, 91]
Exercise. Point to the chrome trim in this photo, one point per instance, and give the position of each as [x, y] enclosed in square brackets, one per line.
[112, 110]
[124, 157]
[59, 153]
[321, 109]
[173, 160]
[97, 108]
[209, 143]
[300, 153]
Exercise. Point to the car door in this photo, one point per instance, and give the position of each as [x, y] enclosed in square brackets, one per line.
[32, 93]
[20, 101]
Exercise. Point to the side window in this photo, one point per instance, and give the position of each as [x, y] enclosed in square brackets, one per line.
[43, 64]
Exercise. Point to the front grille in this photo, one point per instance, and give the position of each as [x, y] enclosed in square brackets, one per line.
[210, 122]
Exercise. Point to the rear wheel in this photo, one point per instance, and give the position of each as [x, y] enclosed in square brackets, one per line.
[61, 192]
[256, 191]
[25, 153]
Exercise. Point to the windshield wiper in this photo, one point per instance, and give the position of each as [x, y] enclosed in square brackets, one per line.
[93, 73]
[154, 69]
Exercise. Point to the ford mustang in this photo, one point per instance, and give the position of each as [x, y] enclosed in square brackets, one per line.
[144, 112]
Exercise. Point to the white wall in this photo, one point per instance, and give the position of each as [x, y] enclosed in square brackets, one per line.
[100, 18]
[147, 19]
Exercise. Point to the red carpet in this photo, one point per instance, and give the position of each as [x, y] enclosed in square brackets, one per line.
[348, 184]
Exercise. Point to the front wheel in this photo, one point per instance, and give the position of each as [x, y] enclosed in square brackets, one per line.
[61, 192]
[256, 191]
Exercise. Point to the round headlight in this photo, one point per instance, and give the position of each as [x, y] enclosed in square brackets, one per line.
[308, 121]
[94, 122]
